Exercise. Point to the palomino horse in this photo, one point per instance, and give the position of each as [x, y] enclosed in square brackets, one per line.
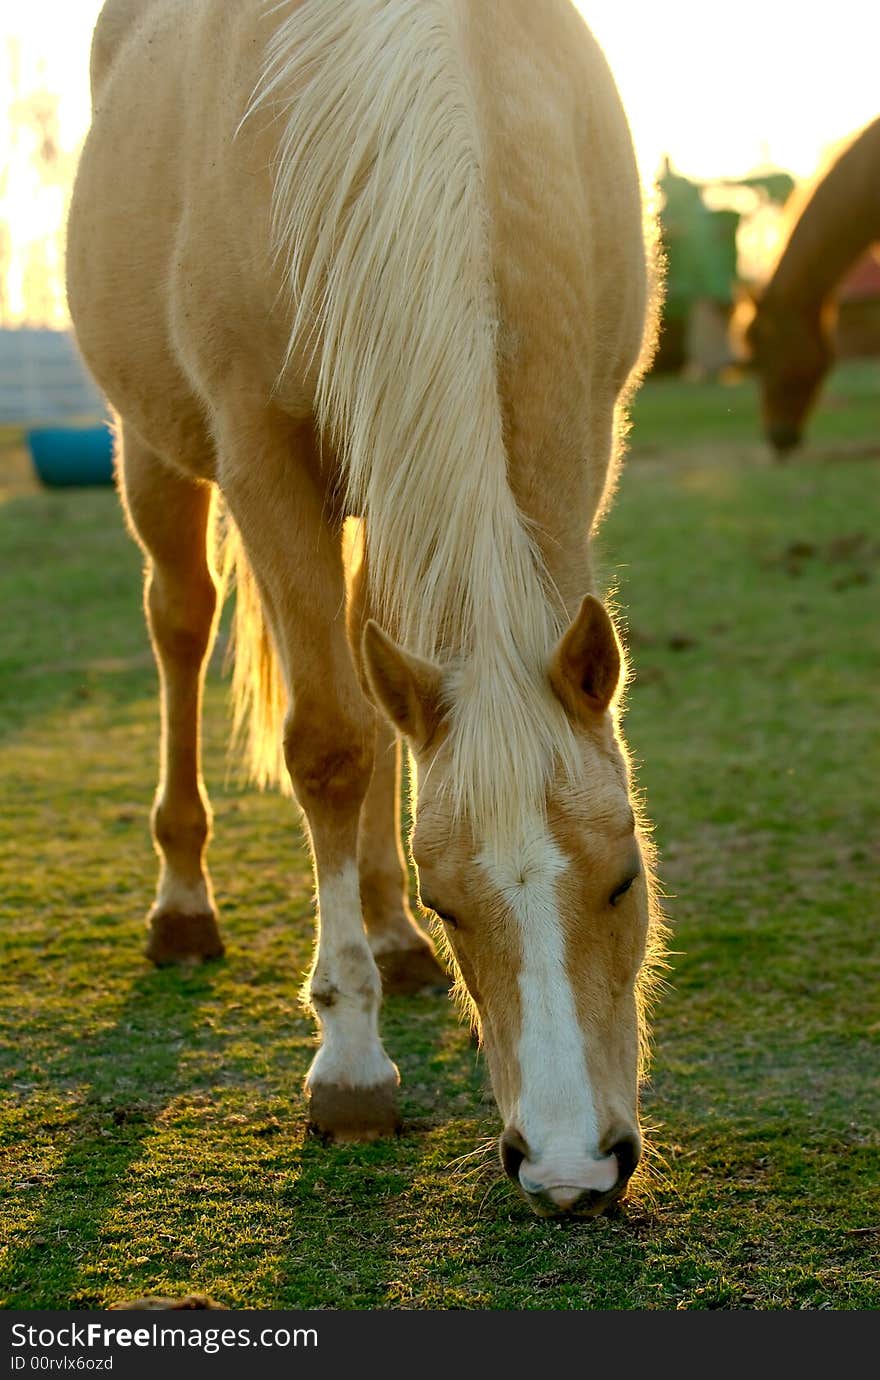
[790, 334]
[385, 258]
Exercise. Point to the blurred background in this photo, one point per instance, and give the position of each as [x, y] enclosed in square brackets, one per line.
[743, 101]
[142, 1110]
[730, 107]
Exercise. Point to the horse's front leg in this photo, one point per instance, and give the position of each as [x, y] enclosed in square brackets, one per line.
[328, 744]
[352, 1084]
[402, 950]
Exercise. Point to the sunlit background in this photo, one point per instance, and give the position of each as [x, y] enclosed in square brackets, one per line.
[723, 91]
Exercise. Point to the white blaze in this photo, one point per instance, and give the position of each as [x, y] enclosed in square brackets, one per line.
[556, 1111]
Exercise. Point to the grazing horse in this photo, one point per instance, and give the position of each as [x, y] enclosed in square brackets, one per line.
[790, 335]
[385, 260]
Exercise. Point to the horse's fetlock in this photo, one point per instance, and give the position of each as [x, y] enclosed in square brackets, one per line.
[324, 994]
[350, 980]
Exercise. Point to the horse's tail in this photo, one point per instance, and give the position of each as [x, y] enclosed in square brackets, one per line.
[258, 695]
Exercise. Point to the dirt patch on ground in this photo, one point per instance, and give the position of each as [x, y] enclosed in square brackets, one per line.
[855, 554]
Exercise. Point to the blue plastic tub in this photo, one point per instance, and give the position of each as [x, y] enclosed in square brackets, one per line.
[67, 456]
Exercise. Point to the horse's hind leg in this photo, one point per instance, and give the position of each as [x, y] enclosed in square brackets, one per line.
[169, 515]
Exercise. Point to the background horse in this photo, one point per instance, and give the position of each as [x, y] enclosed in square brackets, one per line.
[790, 334]
[385, 258]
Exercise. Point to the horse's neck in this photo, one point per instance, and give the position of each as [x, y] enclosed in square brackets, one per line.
[840, 220]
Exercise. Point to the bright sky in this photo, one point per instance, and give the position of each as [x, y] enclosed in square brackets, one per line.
[723, 89]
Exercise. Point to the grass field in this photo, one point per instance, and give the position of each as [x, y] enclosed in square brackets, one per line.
[152, 1122]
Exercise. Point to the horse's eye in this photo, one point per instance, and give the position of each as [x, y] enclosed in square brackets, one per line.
[621, 890]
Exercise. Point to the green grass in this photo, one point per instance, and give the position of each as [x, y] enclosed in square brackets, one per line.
[152, 1123]
[671, 413]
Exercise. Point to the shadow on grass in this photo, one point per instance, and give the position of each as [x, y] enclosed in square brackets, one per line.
[128, 1075]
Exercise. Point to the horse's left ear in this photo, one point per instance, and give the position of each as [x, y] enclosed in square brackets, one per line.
[408, 688]
[585, 667]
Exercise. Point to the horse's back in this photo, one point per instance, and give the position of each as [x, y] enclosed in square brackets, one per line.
[176, 294]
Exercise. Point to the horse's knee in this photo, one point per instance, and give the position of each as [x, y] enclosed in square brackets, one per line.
[330, 761]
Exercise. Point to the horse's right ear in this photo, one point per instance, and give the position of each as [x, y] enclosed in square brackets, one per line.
[407, 688]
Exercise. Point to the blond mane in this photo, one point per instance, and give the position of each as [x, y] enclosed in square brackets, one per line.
[388, 268]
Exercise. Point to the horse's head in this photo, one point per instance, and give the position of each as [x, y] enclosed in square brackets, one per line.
[547, 928]
[791, 351]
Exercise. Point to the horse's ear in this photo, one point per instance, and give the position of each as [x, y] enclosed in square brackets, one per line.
[749, 293]
[745, 309]
[407, 688]
[585, 667]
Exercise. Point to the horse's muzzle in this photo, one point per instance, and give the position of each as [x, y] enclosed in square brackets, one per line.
[783, 437]
[552, 1192]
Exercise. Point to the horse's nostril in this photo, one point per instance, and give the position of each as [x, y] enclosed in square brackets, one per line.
[627, 1151]
[513, 1151]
